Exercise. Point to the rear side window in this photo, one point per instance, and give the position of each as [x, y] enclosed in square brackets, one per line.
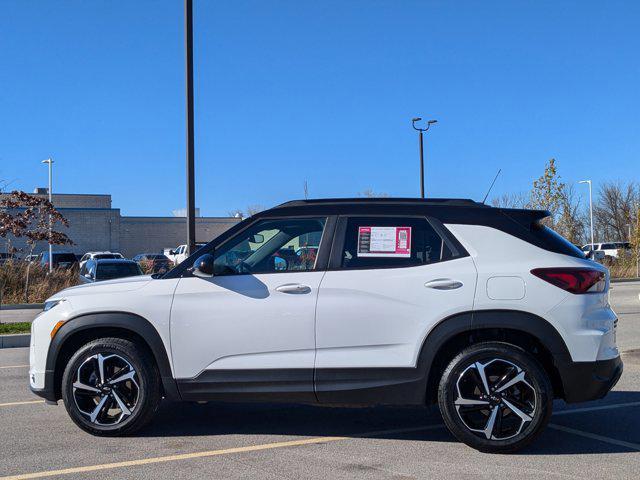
[554, 242]
[107, 271]
[388, 242]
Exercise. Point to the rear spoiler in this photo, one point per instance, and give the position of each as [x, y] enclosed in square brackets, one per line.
[523, 217]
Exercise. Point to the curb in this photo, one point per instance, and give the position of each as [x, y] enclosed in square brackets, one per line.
[624, 280]
[22, 306]
[15, 341]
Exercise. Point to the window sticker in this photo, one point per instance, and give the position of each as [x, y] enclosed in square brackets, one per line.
[391, 242]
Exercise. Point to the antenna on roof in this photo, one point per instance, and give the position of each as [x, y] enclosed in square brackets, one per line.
[492, 183]
[306, 190]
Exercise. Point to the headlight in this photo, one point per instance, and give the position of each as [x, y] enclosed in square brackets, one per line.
[51, 303]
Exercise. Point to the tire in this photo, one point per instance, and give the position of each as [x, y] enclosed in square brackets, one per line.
[486, 422]
[124, 400]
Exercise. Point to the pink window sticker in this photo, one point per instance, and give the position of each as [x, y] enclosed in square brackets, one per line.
[391, 242]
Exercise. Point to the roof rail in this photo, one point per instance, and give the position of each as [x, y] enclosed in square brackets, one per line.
[455, 202]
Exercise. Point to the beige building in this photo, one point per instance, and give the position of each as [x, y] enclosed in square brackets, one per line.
[94, 225]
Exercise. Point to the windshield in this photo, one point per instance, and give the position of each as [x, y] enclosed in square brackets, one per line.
[107, 256]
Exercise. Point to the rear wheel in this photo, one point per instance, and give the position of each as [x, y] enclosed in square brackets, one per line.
[495, 397]
[111, 387]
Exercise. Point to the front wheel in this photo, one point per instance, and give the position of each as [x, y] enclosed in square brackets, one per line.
[495, 397]
[111, 386]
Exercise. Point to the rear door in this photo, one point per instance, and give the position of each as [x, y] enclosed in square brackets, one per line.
[389, 282]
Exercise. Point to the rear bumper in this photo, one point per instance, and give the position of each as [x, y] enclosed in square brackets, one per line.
[584, 381]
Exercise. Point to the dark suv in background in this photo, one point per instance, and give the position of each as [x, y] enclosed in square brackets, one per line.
[60, 260]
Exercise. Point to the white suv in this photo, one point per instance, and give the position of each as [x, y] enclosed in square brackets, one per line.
[401, 301]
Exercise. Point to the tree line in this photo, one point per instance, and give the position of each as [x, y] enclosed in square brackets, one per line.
[615, 208]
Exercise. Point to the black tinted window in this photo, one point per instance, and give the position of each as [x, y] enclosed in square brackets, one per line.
[554, 242]
[106, 271]
[64, 257]
[379, 242]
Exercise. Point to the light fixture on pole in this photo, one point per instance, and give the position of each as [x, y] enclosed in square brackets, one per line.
[50, 162]
[590, 213]
[421, 147]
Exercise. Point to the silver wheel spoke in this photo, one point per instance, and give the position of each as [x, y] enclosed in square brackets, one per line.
[517, 411]
[121, 378]
[483, 377]
[518, 378]
[100, 359]
[488, 430]
[82, 386]
[120, 403]
[98, 409]
[469, 401]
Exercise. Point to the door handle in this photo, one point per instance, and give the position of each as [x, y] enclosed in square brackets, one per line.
[294, 288]
[443, 284]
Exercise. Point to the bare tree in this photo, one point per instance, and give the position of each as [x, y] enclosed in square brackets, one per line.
[616, 209]
[570, 221]
[250, 211]
[511, 200]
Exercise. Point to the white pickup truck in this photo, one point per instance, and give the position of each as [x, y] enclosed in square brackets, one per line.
[178, 254]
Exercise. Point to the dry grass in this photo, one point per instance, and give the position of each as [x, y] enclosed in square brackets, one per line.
[41, 284]
[623, 267]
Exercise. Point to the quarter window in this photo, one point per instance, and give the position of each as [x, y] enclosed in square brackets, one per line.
[272, 246]
[387, 242]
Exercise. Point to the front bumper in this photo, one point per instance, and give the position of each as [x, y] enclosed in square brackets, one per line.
[48, 392]
[584, 381]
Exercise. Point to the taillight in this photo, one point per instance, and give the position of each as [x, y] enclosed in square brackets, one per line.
[574, 280]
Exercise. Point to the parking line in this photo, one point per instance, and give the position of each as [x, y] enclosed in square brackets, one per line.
[593, 409]
[210, 453]
[14, 366]
[595, 436]
[28, 402]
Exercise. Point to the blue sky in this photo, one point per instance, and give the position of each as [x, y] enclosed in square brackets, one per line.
[288, 91]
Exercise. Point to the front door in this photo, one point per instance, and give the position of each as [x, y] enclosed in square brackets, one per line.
[250, 329]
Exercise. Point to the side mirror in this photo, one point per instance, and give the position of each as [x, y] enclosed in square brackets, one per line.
[203, 266]
[172, 252]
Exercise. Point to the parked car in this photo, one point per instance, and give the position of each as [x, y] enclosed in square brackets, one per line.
[96, 270]
[608, 249]
[179, 253]
[408, 302]
[60, 260]
[99, 255]
[159, 263]
[31, 258]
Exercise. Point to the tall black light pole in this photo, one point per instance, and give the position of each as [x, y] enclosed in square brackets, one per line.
[191, 209]
[420, 132]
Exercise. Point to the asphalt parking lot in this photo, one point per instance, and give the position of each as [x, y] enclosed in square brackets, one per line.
[593, 440]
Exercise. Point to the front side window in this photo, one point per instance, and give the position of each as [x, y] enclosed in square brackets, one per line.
[387, 242]
[272, 246]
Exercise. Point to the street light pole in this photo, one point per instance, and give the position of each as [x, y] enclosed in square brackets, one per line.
[421, 147]
[50, 162]
[590, 211]
[191, 209]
